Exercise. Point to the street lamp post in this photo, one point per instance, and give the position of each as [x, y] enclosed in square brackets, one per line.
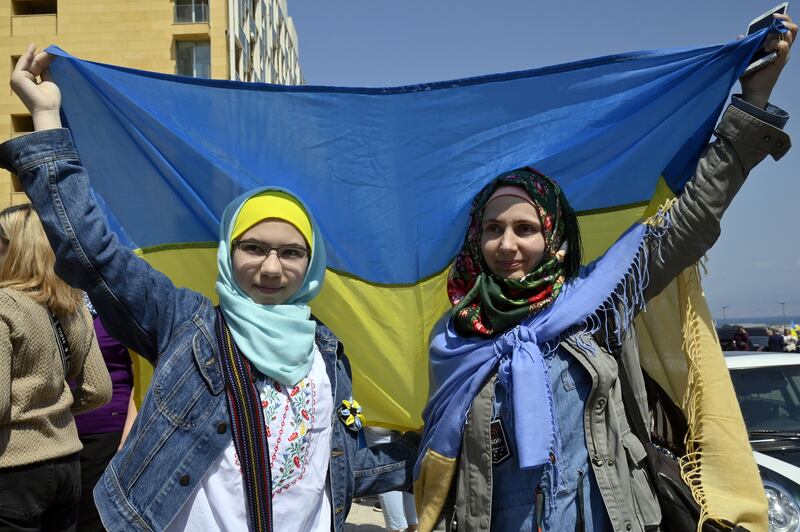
[783, 306]
[724, 308]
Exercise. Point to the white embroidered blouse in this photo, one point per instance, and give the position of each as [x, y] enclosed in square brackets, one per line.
[298, 420]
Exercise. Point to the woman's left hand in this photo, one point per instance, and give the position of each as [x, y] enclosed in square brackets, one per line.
[41, 96]
[757, 87]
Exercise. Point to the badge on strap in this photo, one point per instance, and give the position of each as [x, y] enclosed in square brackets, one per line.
[500, 449]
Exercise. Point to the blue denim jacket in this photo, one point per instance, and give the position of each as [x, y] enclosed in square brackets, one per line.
[182, 426]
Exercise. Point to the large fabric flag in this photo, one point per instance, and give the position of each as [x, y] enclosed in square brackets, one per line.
[389, 174]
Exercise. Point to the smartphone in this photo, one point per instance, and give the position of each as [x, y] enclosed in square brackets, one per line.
[765, 20]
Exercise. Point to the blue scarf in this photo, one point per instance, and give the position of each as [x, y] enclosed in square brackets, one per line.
[461, 365]
[277, 339]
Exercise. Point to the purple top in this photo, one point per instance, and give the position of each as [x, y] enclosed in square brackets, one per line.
[110, 417]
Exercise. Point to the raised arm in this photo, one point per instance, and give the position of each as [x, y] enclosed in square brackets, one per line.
[140, 305]
[750, 130]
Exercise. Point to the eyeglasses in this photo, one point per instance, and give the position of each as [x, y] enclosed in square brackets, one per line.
[256, 251]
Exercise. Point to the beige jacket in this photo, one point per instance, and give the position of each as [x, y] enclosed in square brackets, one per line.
[36, 403]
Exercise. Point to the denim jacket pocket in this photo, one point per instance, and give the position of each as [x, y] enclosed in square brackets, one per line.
[208, 364]
[180, 392]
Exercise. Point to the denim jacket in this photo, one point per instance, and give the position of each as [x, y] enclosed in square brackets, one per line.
[183, 424]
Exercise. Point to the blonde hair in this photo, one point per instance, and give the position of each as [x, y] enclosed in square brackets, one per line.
[28, 264]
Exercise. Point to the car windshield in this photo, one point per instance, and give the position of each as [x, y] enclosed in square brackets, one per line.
[759, 341]
[769, 397]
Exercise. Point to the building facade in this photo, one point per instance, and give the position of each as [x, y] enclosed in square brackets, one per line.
[264, 42]
[247, 40]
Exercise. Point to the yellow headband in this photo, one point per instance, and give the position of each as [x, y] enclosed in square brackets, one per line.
[273, 204]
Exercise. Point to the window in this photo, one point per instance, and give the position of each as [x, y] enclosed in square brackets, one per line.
[193, 58]
[237, 59]
[14, 59]
[191, 11]
[34, 7]
[16, 184]
[769, 397]
[21, 124]
[250, 60]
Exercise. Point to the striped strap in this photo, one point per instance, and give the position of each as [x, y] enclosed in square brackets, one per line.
[249, 429]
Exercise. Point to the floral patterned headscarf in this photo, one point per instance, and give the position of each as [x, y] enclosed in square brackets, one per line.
[485, 304]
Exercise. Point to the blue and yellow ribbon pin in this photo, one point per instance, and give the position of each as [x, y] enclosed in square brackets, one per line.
[350, 414]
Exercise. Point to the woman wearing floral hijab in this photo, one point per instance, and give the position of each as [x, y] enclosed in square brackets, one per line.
[525, 427]
[488, 300]
[249, 422]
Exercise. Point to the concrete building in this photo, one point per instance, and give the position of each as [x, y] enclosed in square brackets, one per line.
[248, 40]
[264, 42]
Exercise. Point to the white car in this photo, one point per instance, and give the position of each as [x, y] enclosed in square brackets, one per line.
[768, 388]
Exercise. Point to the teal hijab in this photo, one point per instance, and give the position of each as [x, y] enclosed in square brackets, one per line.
[277, 339]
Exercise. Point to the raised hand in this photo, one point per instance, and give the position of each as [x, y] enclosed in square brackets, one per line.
[757, 87]
[42, 97]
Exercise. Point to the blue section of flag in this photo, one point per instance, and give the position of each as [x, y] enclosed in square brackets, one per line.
[389, 173]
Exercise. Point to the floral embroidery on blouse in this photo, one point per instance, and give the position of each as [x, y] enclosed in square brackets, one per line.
[289, 413]
[293, 441]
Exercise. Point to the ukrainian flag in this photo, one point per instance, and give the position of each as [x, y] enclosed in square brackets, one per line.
[390, 173]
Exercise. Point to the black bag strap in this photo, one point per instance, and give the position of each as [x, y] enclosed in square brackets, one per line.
[631, 406]
[61, 340]
[628, 397]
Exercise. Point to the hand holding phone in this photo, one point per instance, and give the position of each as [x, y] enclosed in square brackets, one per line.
[763, 58]
[757, 86]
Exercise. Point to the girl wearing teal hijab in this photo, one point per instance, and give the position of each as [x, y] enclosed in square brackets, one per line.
[271, 264]
[271, 261]
[249, 422]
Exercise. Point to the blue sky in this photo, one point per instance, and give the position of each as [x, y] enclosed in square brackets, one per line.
[756, 261]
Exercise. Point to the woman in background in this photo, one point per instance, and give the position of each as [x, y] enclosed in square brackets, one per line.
[46, 340]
